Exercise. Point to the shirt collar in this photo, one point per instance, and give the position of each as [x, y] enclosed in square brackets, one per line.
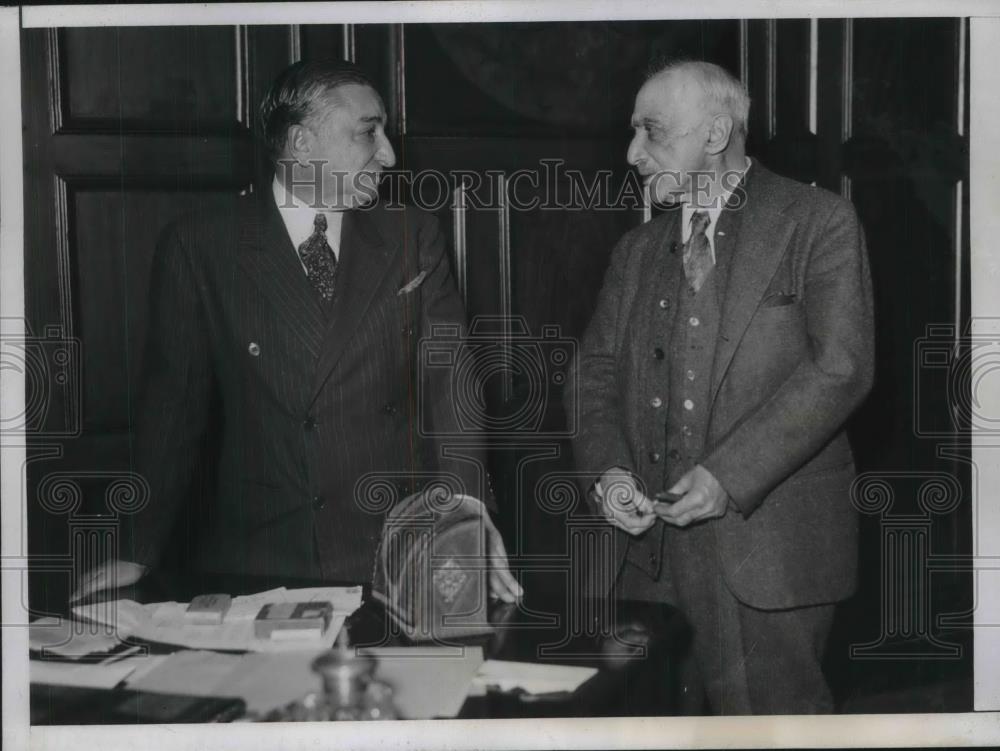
[714, 212]
[299, 218]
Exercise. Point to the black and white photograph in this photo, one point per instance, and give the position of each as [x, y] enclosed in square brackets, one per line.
[376, 372]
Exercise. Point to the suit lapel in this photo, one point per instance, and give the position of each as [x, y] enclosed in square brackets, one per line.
[363, 265]
[267, 256]
[763, 239]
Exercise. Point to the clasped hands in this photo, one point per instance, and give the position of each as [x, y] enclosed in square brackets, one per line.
[625, 506]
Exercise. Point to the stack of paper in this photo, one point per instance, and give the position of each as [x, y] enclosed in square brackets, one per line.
[70, 639]
[165, 622]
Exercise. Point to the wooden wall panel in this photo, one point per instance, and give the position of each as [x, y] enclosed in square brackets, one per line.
[153, 79]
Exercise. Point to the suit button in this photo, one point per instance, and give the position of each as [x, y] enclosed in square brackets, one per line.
[664, 303]
[654, 457]
[656, 401]
[652, 559]
[309, 423]
[319, 502]
[658, 353]
[674, 454]
[690, 375]
[389, 409]
[254, 349]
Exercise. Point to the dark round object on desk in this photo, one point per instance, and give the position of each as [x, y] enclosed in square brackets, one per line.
[629, 641]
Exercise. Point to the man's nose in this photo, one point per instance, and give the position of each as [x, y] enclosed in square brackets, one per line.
[385, 156]
[634, 153]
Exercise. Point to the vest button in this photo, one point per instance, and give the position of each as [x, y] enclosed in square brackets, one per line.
[658, 353]
[652, 559]
[309, 423]
[664, 303]
[690, 375]
[657, 402]
[654, 457]
[254, 349]
[319, 502]
[688, 404]
[674, 454]
[693, 320]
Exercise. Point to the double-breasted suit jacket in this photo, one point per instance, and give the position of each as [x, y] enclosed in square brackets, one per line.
[323, 407]
[792, 359]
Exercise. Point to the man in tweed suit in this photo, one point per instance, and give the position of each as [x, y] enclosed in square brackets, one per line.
[731, 341]
[296, 315]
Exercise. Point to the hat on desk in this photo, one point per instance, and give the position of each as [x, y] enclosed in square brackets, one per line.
[431, 571]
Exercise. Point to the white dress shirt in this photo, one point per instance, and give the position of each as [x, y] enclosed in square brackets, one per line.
[713, 215]
[300, 217]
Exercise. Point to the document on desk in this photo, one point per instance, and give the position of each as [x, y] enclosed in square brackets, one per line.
[105, 675]
[534, 678]
[70, 639]
[167, 623]
[189, 672]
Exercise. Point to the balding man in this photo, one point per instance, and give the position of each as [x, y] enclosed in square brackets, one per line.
[732, 339]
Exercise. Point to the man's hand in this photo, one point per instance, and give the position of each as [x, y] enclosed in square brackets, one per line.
[622, 503]
[503, 585]
[109, 575]
[703, 498]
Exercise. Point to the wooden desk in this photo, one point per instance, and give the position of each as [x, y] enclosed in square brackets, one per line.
[637, 648]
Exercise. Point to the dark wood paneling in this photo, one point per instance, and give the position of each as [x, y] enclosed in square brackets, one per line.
[154, 79]
[548, 79]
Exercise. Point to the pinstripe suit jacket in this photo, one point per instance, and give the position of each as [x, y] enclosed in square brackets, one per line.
[320, 417]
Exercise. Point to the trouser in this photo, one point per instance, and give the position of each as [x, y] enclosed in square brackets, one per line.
[751, 661]
[745, 660]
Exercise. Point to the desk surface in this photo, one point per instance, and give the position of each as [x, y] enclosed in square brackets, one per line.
[635, 646]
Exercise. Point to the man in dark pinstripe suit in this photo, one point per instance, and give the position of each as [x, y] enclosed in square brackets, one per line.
[297, 313]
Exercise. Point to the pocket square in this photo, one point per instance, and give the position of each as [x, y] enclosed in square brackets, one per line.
[413, 283]
[778, 299]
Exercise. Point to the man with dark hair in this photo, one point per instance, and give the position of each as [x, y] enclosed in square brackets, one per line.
[298, 314]
[732, 339]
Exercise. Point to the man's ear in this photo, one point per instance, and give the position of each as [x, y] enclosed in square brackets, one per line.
[299, 143]
[719, 133]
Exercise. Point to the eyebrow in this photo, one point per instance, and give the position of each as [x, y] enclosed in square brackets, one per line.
[380, 119]
[647, 122]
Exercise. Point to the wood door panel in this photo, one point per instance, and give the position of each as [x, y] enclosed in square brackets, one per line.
[151, 79]
[525, 79]
[906, 78]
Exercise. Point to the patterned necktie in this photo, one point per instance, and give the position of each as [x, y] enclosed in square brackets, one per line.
[697, 252]
[318, 258]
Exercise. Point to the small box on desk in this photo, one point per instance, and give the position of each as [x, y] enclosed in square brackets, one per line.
[208, 609]
[293, 620]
